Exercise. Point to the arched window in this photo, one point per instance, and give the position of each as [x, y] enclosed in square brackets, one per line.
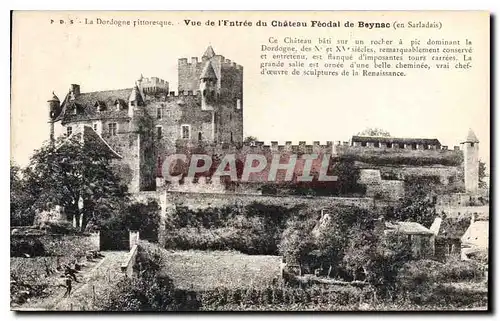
[200, 136]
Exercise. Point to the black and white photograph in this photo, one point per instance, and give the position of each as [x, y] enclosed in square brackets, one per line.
[250, 161]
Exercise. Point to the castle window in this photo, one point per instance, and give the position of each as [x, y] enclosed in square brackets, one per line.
[159, 130]
[471, 144]
[186, 131]
[363, 144]
[389, 145]
[230, 116]
[231, 137]
[238, 103]
[200, 136]
[158, 113]
[94, 126]
[112, 129]
[204, 92]
[69, 130]
[376, 144]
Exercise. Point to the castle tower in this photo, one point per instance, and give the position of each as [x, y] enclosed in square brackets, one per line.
[135, 100]
[471, 163]
[208, 87]
[209, 53]
[54, 105]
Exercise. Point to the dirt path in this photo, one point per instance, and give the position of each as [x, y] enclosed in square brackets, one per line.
[94, 284]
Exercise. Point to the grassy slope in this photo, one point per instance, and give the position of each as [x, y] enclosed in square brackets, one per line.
[201, 270]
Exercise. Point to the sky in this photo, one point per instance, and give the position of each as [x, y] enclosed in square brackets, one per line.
[49, 57]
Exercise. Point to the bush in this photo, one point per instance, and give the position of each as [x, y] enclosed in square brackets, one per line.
[31, 246]
[149, 290]
[456, 270]
[58, 227]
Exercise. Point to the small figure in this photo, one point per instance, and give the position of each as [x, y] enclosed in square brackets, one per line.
[70, 272]
[68, 287]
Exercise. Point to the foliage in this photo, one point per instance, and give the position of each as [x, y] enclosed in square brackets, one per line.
[26, 246]
[296, 241]
[254, 229]
[374, 132]
[21, 200]
[416, 205]
[149, 290]
[138, 216]
[73, 173]
[426, 281]
[250, 139]
[482, 174]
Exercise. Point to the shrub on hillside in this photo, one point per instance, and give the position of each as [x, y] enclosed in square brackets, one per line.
[58, 227]
[456, 270]
[139, 216]
[148, 290]
[24, 246]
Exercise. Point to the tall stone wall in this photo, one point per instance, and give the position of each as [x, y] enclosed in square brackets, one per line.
[206, 200]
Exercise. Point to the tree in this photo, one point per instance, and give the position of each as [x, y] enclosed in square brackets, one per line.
[416, 205]
[138, 216]
[78, 177]
[21, 200]
[296, 241]
[374, 132]
[482, 174]
[250, 139]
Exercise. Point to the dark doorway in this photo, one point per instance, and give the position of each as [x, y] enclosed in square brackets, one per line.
[114, 240]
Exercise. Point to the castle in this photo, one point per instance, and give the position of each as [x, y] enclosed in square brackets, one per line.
[145, 123]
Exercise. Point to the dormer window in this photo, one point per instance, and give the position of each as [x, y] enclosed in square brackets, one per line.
[99, 106]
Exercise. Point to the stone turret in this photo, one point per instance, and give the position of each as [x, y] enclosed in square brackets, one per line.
[471, 163]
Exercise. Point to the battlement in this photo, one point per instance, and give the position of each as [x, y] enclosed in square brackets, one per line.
[227, 63]
[195, 63]
[154, 85]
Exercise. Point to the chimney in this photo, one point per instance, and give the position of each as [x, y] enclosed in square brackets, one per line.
[74, 90]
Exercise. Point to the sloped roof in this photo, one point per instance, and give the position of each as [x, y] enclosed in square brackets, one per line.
[135, 95]
[396, 140]
[410, 228]
[85, 104]
[94, 140]
[471, 137]
[453, 228]
[208, 72]
[476, 235]
[209, 53]
[54, 97]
